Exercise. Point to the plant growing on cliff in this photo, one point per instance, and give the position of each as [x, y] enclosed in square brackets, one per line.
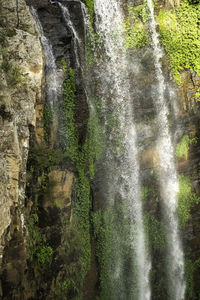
[186, 198]
[179, 33]
[38, 251]
[69, 135]
[47, 121]
[90, 5]
[190, 268]
[197, 94]
[182, 148]
[83, 157]
[134, 25]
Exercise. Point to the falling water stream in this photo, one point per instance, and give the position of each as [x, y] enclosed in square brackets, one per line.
[167, 174]
[124, 176]
[52, 80]
[122, 165]
[70, 25]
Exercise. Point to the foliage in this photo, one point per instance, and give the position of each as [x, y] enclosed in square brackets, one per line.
[84, 158]
[47, 121]
[110, 234]
[94, 43]
[64, 65]
[186, 198]
[103, 225]
[190, 268]
[95, 141]
[13, 74]
[182, 148]
[180, 35]
[44, 254]
[155, 233]
[43, 158]
[136, 32]
[69, 138]
[145, 192]
[197, 94]
[90, 5]
[38, 251]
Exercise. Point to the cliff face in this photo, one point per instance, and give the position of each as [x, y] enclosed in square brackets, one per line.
[48, 247]
[21, 75]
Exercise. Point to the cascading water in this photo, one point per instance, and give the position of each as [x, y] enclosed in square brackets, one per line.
[167, 174]
[123, 167]
[70, 25]
[53, 85]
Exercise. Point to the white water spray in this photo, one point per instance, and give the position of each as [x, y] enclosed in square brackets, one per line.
[52, 81]
[115, 92]
[167, 175]
[70, 25]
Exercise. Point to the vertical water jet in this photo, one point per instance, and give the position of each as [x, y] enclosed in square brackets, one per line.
[167, 173]
[130, 272]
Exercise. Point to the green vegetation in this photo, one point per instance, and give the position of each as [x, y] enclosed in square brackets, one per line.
[48, 121]
[44, 158]
[186, 198]
[182, 148]
[197, 94]
[64, 65]
[83, 157]
[135, 29]
[90, 5]
[190, 268]
[145, 193]
[179, 33]
[94, 43]
[155, 233]
[39, 251]
[106, 229]
[69, 138]
[13, 74]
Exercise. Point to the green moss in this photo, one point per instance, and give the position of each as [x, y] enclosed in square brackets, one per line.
[64, 65]
[47, 121]
[90, 5]
[134, 25]
[182, 148]
[84, 158]
[44, 158]
[39, 252]
[94, 43]
[179, 33]
[103, 224]
[197, 94]
[68, 133]
[145, 192]
[155, 233]
[190, 268]
[13, 73]
[186, 198]
[110, 234]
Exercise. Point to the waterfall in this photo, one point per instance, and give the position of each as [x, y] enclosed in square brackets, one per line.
[52, 81]
[167, 174]
[123, 167]
[70, 25]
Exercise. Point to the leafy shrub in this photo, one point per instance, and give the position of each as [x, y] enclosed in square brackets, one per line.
[186, 198]
[197, 94]
[180, 35]
[182, 148]
[134, 25]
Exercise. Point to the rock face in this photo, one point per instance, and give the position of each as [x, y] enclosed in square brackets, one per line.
[21, 81]
[38, 217]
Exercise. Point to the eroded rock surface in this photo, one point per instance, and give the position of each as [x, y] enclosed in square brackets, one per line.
[21, 75]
